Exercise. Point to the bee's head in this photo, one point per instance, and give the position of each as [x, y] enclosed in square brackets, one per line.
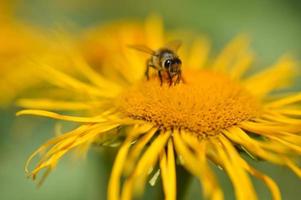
[173, 65]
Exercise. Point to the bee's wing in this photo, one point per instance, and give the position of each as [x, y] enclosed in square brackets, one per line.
[143, 48]
[174, 45]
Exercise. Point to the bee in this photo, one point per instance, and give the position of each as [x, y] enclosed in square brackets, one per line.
[164, 60]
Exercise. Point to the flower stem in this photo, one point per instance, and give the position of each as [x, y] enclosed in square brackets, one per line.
[183, 182]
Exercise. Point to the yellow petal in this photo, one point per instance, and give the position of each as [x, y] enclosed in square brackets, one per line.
[53, 115]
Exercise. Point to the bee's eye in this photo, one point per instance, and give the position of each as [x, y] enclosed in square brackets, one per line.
[167, 63]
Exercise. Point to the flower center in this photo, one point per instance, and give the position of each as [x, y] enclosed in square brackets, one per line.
[205, 104]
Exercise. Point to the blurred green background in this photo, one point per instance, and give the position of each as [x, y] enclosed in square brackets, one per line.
[275, 29]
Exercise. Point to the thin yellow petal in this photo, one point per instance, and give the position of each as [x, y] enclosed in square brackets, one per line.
[171, 168]
[136, 180]
[208, 179]
[53, 115]
[63, 80]
[230, 53]
[289, 111]
[268, 128]
[229, 160]
[242, 65]
[253, 146]
[164, 173]
[276, 117]
[189, 161]
[139, 129]
[114, 183]
[267, 180]
[279, 76]
[92, 75]
[151, 155]
[198, 55]
[197, 165]
[137, 149]
[54, 141]
[49, 104]
[256, 148]
[154, 31]
[59, 146]
[285, 101]
[294, 167]
[168, 172]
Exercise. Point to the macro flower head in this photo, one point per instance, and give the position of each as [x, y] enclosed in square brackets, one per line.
[219, 111]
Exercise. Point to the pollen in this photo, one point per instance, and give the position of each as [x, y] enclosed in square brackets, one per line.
[205, 103]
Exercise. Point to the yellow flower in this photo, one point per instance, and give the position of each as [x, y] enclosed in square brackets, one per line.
[218, 112]
[19, 41]
[21, 46]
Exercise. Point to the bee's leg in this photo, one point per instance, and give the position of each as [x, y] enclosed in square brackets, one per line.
[147, 72]
[160, 77]
[179, 77]
[148, 65]
[170, 79]
[183, 80]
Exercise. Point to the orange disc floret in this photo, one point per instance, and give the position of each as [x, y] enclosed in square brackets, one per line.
[206, 103]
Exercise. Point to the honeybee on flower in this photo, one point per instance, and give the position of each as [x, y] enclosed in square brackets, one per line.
[164, 60]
